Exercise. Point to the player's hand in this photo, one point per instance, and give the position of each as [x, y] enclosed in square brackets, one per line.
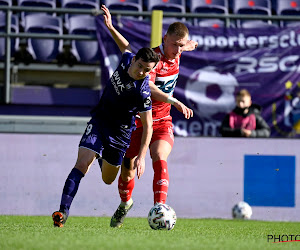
[246, 132]
[139, 165]
[107, 16]
[187, 112]
[191, 45]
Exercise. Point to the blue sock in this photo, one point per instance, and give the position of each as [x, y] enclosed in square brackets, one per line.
[70, 189]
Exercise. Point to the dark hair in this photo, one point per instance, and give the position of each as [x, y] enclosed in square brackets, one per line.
[179, 29]
[147, 55]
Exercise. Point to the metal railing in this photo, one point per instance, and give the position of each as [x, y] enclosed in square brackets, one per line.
[8, 35]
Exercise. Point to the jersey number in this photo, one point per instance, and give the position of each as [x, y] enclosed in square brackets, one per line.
[88, 129]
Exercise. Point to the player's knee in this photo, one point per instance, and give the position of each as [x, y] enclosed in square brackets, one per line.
[127, 177]
[158, 156]
[82, 166]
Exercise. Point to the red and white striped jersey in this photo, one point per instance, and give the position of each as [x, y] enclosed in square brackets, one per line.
[164, 75]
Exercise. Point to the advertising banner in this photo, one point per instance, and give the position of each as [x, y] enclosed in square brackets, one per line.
[208, 176]
[263, 60]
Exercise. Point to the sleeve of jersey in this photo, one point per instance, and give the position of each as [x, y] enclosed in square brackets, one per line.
[152, 74]
[126, 56]
[146, 103]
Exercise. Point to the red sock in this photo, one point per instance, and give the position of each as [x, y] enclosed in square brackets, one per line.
[125, 189]
[160, 181]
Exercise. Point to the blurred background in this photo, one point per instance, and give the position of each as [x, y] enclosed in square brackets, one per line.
[54, 64]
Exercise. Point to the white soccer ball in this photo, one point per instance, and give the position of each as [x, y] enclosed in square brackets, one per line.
[162, 217]
[242, 210]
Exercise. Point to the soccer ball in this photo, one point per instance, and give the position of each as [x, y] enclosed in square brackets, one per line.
[162, 217]
[241, 210]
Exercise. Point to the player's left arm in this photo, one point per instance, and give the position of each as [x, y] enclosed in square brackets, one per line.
[146, 119]
[159, 95]
[190, 45]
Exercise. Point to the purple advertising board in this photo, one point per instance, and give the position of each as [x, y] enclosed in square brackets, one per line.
[263, 60]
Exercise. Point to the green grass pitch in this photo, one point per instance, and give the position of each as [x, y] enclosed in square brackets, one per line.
[28, 232]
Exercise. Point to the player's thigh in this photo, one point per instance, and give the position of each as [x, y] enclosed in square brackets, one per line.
[127, 171]
[85, 159]
[162, 140]
[112, 160]
[135, 143]
[109, 172]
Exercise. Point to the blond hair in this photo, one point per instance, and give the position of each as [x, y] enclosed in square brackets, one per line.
[179, 29]
[243, 92]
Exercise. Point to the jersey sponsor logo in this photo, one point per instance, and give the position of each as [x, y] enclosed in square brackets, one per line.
[117, 83]
[166, 84]
[147, 102]
[163, 182]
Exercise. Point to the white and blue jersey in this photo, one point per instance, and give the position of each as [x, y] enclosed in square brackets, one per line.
[113, 119]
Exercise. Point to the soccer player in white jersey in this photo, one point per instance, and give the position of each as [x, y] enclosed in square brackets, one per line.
[109, 131]
[162, 82]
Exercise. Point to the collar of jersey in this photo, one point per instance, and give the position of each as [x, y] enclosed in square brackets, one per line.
[161, 47]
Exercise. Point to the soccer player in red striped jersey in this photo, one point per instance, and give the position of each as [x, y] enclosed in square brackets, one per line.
[162, 82]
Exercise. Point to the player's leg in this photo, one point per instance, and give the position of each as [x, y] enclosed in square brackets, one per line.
[126, 179]
[160, 151]
[125, 186]
[160, 148]
[90, 146]
[109, 172]
[112, 159]
[84, 160]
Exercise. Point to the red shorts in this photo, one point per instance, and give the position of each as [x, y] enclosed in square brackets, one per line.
[162, 130]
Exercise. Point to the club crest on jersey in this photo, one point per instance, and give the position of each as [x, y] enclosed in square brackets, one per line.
[130, 85]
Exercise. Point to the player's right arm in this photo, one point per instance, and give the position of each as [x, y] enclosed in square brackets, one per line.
[160, 96]
[121, 41]
[146, 119]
